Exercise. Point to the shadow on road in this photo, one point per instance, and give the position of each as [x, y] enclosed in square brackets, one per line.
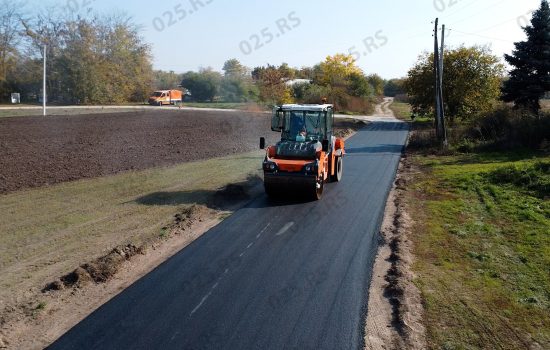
[387, 126]
[377, 149]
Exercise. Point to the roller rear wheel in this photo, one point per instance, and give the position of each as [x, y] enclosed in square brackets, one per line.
[317, 192]
[338, 169]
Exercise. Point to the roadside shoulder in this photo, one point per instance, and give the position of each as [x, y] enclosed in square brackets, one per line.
[395, 311]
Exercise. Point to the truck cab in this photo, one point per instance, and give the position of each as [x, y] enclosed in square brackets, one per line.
[307, 155]
[166, 97]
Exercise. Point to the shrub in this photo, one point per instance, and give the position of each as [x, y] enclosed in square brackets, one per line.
[533, 177]
[510, 128]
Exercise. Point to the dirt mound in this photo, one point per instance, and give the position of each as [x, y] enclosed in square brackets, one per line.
[346, 127]
[186, 219]
[99, 271]
[105, 267]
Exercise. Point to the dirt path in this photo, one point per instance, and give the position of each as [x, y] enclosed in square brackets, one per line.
[383, 108]
[382, 113]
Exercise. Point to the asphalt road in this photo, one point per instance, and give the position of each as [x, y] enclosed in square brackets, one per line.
[275, 275]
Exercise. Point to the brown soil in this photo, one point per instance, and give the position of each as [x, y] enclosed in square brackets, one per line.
[394, 319]
[38, 151]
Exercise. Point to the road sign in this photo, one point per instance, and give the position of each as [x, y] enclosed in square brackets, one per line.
[15, 98]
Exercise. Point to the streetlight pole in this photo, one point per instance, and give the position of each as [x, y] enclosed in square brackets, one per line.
[44, 84]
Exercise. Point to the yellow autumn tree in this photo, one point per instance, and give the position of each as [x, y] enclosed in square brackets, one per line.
[336, 70]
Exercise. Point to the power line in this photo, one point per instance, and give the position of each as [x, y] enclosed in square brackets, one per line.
[462, 8]
[479, 12]
[482, 36]
[496, 25]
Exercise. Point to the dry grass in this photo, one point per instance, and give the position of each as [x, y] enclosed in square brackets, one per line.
[401, 110]
[49, 231]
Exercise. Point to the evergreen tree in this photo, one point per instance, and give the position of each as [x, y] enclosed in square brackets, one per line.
[530, 78]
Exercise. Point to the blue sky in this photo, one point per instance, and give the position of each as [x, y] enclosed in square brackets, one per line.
[387, 36]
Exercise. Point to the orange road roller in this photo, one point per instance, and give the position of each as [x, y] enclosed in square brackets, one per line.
[307, 156]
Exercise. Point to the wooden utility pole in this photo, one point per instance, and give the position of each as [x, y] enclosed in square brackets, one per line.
[437, 82]
[442, 106]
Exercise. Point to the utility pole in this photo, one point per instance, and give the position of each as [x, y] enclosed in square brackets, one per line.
[442, 111]
[39, 40]
[44, 84]
[437, 82]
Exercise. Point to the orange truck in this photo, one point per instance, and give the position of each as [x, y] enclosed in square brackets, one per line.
[166, 97]
[307, 156]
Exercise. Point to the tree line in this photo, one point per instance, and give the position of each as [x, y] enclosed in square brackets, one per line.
[102, 59]
[337, 79]
[90, 60]
[479, 94]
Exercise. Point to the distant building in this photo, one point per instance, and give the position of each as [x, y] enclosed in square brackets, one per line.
[297, 82]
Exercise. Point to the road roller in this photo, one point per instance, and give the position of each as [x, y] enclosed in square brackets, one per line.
[307, 155]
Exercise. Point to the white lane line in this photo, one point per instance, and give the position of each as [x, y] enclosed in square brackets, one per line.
[262, 231]
[204, 299]
[285, 228]
[227, 270]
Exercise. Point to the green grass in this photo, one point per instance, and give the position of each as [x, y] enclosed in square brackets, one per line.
[41, 306]
[401, 110]
[482, 243]
[47, 232]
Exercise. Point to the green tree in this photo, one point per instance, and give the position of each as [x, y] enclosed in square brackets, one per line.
[234, 69]
[394, 87]
[48, 27]
[305, 73]
[163, 80]
[127, 59]
[237, 84]
[203, 85]
[10, 38]
[91, 60]
[359, 86]
[238, 90]
[287, 72]
[530, 78]
[272, 85]
[377, 83]
[104, 61]
[471, 83]
[310, 93]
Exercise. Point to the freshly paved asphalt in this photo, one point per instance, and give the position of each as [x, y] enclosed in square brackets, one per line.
[275, 275]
